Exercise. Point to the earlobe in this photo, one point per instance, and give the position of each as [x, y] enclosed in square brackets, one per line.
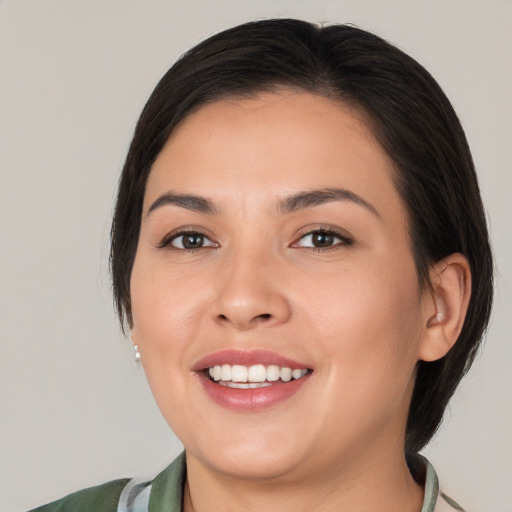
[136, 352]
[446, 306]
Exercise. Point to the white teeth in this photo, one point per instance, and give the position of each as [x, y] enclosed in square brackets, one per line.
[225, 372]
[217, 373]
[245, 385]
[297, 374]
[273, 373]
[257, 375]
[238, 373]
[286, 374]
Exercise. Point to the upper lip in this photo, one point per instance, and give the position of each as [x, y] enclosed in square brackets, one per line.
[247, 358]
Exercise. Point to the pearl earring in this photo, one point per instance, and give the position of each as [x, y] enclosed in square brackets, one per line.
[136, 354]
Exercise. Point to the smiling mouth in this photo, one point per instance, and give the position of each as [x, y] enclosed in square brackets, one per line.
[254, 376]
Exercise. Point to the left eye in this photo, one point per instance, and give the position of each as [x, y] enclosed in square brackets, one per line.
[191, 241]
[321, 240]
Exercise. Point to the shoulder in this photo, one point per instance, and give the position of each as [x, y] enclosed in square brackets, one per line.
[101, 498]
[165, 492]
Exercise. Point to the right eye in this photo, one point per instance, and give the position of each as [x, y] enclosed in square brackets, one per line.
[189, 240]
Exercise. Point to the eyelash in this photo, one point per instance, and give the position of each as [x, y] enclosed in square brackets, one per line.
[344, 240]
[169, 239]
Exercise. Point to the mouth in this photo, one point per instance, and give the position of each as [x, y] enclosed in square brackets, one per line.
[253, 377]
[250, 380]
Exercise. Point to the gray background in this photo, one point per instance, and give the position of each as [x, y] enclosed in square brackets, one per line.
[75, 411]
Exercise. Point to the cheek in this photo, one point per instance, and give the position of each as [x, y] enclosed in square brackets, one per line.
[371, 324]
[165, 310]
[164, 320]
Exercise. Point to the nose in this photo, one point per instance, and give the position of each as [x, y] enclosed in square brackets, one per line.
[250, 294]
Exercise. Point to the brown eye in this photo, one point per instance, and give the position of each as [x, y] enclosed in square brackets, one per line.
[322, 239]
[191, 241]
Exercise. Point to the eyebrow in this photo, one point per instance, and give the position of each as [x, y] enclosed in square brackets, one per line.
[311, 198]
[290, 204]
[187, 201]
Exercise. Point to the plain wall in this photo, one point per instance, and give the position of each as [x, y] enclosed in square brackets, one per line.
[74, 75]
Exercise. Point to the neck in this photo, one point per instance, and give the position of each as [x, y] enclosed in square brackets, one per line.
[371, 483]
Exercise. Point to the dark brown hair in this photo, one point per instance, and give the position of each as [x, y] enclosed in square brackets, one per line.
[409, 115]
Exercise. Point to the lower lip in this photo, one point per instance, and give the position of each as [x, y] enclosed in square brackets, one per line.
[253, 399]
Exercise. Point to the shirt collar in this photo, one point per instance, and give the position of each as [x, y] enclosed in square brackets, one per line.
[167, 488]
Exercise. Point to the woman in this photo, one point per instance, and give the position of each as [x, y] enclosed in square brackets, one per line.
[300, 252]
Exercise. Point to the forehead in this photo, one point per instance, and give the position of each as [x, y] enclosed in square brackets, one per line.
[271, 145]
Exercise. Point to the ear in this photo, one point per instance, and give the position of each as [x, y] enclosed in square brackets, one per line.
[445, 306]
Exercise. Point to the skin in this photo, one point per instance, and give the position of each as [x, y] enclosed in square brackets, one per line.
[353, 312]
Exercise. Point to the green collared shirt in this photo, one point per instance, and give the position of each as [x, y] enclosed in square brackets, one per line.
[165, 492]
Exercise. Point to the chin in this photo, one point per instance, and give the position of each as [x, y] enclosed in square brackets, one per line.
[253, 465]
[250, 456]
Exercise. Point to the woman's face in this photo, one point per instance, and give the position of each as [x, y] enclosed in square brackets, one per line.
[274, 245]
